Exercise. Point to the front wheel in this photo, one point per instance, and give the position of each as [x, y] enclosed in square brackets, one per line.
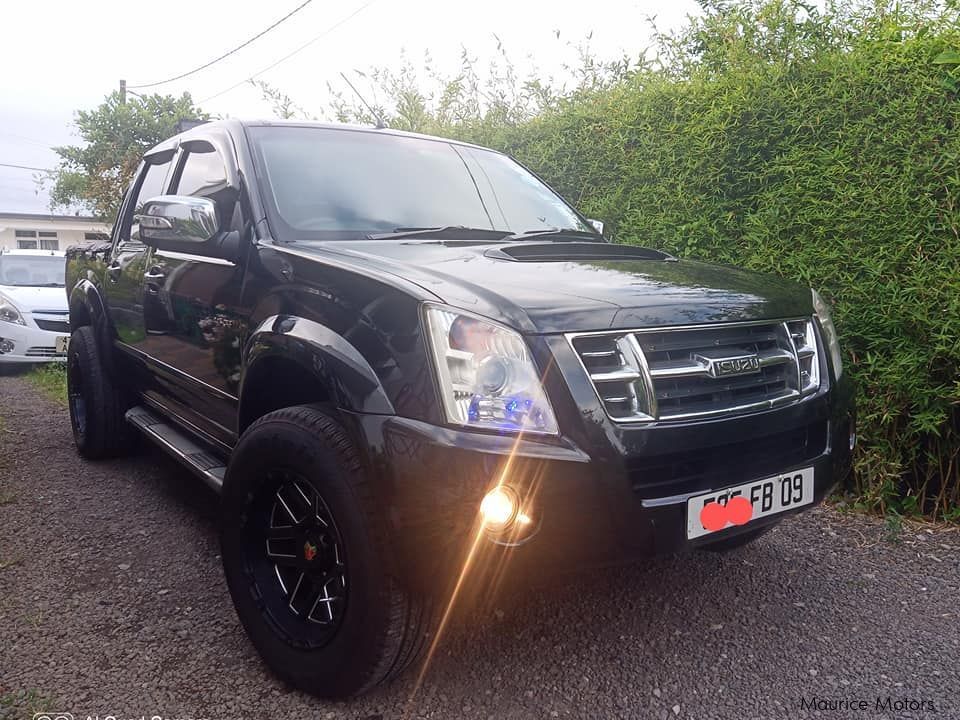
[307, 559]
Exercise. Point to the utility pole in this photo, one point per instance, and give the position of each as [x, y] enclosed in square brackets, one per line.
[123, 92]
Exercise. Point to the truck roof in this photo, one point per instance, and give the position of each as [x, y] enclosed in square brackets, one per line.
[235, 127]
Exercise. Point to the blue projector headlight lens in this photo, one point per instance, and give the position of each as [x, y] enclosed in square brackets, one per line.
[487, 377]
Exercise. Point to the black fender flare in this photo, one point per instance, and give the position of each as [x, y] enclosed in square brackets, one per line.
[326, 355]
[85, 300]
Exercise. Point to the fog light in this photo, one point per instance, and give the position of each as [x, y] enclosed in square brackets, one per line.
[5, 346]
[498, 507]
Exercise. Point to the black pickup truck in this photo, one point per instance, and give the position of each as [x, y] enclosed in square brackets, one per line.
[396, 357]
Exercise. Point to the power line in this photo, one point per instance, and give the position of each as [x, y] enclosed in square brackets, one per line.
[299, 49]
[226, 54]
[25, 167]
[32, 141]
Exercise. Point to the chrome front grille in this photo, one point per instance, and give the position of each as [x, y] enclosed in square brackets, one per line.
[700, 371]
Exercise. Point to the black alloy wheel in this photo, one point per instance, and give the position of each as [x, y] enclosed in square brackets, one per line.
[296, 560]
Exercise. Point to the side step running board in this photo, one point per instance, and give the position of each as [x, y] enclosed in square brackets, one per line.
[169, 437]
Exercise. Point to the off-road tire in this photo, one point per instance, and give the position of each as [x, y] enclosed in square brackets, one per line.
[383, 626]
[96, 401]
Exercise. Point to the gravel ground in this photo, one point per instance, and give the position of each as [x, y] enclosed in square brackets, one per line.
[112, 602]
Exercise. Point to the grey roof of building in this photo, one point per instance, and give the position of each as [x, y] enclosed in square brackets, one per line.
[48, 216]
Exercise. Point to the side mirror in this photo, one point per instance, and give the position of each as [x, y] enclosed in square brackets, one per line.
[177, 220]
[597, 225]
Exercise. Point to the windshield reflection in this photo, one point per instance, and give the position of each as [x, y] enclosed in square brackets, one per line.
[31, 271]
[339, 184]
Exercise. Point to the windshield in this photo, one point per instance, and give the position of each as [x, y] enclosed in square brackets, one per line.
[327, 184]
[32, 270]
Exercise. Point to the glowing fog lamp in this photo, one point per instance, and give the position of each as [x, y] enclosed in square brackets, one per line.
[499, 508]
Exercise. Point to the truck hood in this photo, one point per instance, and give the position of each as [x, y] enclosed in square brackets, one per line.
[32, 299]
[551, 287]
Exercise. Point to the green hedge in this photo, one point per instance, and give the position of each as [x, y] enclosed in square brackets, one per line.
[839, 169]
[816, 141]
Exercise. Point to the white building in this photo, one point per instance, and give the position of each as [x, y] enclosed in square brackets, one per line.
[27, 231]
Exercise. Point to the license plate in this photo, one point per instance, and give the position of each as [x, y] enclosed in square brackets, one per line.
[62, 343]
[765, 497]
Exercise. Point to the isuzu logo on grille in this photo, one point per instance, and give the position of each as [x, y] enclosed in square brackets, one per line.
[726, 366]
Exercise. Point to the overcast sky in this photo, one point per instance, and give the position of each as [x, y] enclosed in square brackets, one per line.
[58, 57]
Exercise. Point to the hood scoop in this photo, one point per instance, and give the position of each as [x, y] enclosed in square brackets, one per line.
[569, 251]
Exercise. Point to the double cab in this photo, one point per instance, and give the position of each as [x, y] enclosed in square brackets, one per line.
[400, 359]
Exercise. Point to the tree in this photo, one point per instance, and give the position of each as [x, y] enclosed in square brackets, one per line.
[475, 103]
[115, 135]
[282, 104]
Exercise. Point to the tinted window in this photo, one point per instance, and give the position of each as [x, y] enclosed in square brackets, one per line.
[202, 173]
[151, 187]
[324, 184]
[524, 201]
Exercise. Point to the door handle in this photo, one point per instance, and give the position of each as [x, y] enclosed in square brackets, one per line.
[154, 279]
[113, 271]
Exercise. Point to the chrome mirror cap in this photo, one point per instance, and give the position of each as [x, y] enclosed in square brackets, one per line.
[177, 219]
[597, 225]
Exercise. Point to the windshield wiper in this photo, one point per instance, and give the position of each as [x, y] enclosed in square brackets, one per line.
[556, 232]
[457, 231]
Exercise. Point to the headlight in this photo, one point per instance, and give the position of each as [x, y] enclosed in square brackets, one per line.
[487, 378]
[9, 312]
[822, 311]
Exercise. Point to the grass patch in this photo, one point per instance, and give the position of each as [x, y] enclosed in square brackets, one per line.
[894, 528]
[51, 380]
[4, 564]
[16, 704]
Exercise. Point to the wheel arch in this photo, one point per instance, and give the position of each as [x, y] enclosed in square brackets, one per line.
[295, 361]
[85, 304]
[86, 307]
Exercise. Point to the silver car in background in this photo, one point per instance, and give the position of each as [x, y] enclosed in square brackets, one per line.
[34, 323]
